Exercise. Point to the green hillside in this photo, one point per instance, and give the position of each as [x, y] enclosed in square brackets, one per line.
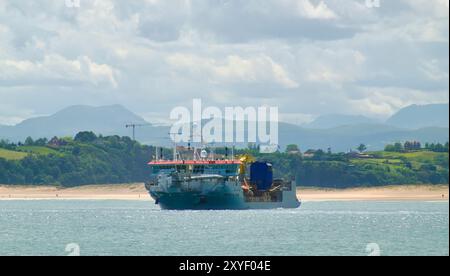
[417, 159]
[42, 150]
[12, 155]
[342, 170]
[90, 159]
[86, 159]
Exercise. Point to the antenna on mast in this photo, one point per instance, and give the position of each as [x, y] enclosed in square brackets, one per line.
[175, 153]
[232, 153]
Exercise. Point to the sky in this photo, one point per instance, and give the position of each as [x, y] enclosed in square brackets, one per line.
[307, 57]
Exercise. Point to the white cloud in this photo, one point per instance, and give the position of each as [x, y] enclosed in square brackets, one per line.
[56, 68]
[383, 102]
[10, 115]
[434, 8]
[319, 11]
[234, 69]
[433, 70]
[308, 57]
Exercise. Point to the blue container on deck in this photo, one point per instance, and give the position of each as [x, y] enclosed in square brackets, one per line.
[261, 174]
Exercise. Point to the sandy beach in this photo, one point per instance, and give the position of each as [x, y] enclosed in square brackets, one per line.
[101, 192]
[386, 193]
[137, 192]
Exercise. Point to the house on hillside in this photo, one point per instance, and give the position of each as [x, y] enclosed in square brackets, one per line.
[310, 153]
[55, 142]
[359, 155]
[294, 152]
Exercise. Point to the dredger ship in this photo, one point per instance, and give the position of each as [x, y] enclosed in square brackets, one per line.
[207, 183]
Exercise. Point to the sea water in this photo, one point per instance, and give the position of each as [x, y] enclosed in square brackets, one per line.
[66, 227]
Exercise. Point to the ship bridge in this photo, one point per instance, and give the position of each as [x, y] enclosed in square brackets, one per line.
[226, 168]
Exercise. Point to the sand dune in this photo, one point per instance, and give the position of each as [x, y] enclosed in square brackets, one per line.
[137, 192]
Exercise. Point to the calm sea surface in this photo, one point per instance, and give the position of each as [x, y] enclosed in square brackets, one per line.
[50, 227]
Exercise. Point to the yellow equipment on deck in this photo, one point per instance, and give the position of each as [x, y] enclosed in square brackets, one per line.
[245, 159]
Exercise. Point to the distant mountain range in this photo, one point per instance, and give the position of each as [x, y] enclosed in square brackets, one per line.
[339, 132]
[419, 116]
[336, 120]
[105, 120]
[411, 117]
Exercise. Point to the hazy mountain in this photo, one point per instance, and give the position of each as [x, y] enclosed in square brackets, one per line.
[111, 120]
[419, 116]
[344, 138]
[106, 120]
[336, 120]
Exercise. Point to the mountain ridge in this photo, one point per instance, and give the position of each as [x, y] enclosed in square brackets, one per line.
[412, 117]
[111, 120]
[419, 116]
[335, 120]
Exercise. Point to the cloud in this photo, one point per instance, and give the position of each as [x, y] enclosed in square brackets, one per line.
[55, 69]
[232, 69]
[320, 11]
[432, 8]
[256, 20]
[308, 57]
[385, 101]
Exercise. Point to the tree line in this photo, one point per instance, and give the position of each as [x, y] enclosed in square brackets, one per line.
[342, 170]
[91, 159]
[416, 146]
[86, 159]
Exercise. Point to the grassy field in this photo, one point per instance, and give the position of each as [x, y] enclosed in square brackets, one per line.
[420, 156]
[12, 155]
[380, 161]
[23, 151]
[38, 150]
[417, 159]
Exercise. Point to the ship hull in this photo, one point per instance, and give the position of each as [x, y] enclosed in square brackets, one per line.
[195, 201]
[224, 198]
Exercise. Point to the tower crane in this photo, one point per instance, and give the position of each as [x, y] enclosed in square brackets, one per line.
[134, 126]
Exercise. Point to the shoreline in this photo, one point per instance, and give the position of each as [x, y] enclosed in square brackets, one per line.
[382, 193]
[134, 191]
[137, 191]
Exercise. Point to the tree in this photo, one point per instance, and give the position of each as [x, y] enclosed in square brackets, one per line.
[319, 155]
[412, 146]
[362, 148]
[389, 148]
[41, 142]
[439, 148]
[85, 137]
[398, 147]
[29, 141]
[292, 148]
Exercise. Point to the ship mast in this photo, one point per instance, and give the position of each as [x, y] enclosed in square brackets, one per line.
[175, 154]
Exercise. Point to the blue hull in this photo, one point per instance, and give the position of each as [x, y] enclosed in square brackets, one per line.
[216, 201]
[196, 201]
[213, 194]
